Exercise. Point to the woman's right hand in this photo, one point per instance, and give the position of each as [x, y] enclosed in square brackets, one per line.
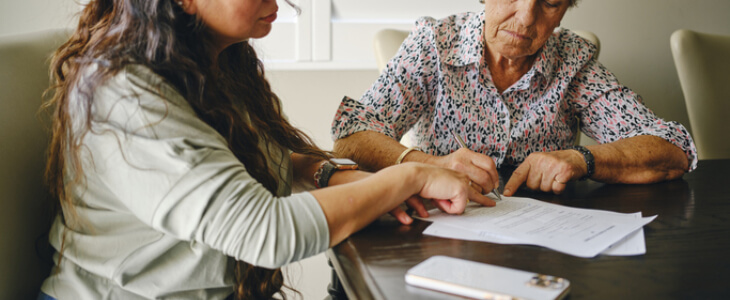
[480, 168]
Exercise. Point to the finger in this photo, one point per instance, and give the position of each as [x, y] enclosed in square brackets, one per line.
[564, 177]
[546, 182]
[534, 180]
[558, 186]
[401, 216]
[478, 176]
[446, 206]
[519, 176]
[481, 179]
[475, 187]
[560, 181]
[470, 163]
[458, 204]
[481, 199]
[416, 203]
[486, 163]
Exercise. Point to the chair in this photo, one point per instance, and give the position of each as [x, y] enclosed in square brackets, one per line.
[24, 217]
[703, 66]
[386, 44]
[387, 41]
[591, 37]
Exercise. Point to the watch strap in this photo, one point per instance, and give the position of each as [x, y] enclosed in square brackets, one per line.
[589, 160]
[323, 174]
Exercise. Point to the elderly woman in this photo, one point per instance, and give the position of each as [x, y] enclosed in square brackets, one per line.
[513, 87]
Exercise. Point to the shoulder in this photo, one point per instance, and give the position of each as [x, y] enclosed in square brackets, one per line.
[135, 86]
[446, 31]
[456, 39]
[137, 101]
[573, 48]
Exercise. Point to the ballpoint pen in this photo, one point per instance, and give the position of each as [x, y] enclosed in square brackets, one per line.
[463, 145]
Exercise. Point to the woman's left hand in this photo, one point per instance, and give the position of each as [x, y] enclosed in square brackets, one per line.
[547, 171]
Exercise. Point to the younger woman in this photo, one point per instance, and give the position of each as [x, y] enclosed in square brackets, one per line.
[173, 164]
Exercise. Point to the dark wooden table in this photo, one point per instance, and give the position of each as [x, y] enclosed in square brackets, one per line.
[688, 245]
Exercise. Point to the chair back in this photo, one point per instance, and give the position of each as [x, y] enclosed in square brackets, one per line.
[24, 217]
[591, 37]
[386, 44]
[703, 66]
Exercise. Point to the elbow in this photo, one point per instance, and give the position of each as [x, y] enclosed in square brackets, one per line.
[674, 174]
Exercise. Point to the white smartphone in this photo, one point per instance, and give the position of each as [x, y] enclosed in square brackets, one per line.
[483, 281]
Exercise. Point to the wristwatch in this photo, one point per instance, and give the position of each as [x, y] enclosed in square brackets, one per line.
[329, 167]
[590, 162]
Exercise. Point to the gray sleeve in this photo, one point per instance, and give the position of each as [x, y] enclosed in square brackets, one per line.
[150, 153]
[219, 204]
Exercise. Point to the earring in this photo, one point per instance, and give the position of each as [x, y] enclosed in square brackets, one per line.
[179, 3]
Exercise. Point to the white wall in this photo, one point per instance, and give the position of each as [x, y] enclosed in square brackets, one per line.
[635, 46]
[21, 16]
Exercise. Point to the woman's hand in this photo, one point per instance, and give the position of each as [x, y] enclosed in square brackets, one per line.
[547, 171]
[350, 206]
[450, 190]
[480, 168]
[415, 202]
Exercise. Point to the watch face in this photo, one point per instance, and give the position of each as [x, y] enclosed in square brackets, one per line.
[343, 163]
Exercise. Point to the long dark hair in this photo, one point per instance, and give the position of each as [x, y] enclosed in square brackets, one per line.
[175, 45]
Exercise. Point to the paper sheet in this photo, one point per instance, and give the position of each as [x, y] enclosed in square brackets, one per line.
[574, 231]
[633, 244]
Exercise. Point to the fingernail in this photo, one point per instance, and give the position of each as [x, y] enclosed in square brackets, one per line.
[506, 192]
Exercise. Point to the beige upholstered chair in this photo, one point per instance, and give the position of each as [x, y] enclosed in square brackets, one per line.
[387, 42]
[703, 65]
[24, 217]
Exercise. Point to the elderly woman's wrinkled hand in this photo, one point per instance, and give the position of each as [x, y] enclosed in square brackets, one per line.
[547, 172]
[480, 168]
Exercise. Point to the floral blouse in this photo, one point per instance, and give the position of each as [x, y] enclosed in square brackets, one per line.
[438, 82]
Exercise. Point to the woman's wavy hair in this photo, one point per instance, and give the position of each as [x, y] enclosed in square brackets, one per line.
[159, 35]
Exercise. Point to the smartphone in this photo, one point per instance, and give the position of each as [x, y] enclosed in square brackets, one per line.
[484, 281]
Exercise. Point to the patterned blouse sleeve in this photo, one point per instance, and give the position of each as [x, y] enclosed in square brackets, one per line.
[400, 95]
[609, 111]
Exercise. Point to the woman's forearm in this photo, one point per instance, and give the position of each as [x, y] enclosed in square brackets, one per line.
[350, 206]
[638, 160]
[374, 150]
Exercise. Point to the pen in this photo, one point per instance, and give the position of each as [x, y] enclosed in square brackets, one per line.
[463, 145]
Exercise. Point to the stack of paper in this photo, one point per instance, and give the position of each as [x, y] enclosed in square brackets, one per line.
[574, 231]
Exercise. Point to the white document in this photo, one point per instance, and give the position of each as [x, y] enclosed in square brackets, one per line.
[633, 244]
[574, 231]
